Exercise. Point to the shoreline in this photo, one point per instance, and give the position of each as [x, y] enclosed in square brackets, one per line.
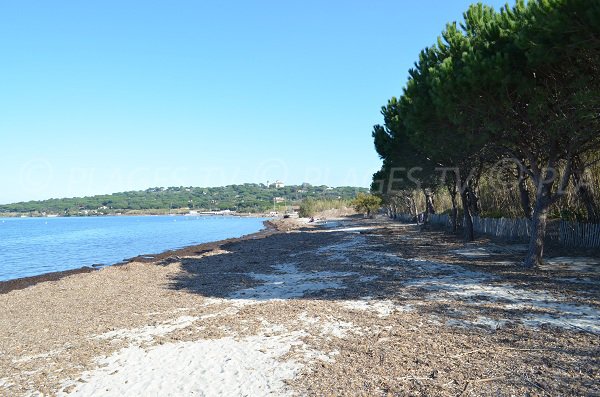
[202, 214]
[7, 286]
[352, 307]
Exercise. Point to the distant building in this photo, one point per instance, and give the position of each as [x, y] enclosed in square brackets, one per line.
[277, 184]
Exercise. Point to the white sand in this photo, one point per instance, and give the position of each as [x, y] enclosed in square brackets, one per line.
[383, 308]
[533, 308]
[147, 333]
[221, 367]
[250, 366]
[330, 326]
[354, 250]
[290, 282]
[472, 252]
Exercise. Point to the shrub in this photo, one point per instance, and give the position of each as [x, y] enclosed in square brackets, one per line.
[310, 207]
[366, 203]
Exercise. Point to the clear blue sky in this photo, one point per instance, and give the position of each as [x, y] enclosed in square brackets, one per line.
[106, 96]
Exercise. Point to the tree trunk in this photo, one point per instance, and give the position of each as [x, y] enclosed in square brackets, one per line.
[585, 195]
[543, 200]
[429, 208]
[390, 209]
[426, 212]
[453, 191]
[525, 200]
[544, 197]
[454, 213]
[412, 207]
[538, 234]
[468, 217]
[473, 200]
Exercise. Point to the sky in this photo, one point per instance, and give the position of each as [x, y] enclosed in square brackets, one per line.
[109, 96]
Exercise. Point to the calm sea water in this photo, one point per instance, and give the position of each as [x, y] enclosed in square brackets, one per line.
[32, 246]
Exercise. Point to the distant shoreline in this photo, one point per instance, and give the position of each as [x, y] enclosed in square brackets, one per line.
[216, 213]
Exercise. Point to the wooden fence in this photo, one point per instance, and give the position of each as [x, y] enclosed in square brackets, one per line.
[513, 229]
[575, 234]
[568, 234]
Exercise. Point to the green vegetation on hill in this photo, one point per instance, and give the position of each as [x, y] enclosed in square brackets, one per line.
[248, 197]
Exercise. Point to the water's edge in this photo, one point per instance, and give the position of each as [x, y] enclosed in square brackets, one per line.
[24, 282]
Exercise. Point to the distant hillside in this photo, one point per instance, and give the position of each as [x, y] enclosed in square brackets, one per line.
[248, 197]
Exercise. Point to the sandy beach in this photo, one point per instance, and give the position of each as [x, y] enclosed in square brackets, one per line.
[344, 307]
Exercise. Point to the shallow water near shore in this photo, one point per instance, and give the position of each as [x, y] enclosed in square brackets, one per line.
[33, 246]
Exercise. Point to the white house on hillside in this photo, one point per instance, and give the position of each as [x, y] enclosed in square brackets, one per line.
[277, 184]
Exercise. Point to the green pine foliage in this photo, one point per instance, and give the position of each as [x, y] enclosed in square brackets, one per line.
[520, 83]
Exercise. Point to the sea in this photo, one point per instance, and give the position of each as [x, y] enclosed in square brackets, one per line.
[33, 246]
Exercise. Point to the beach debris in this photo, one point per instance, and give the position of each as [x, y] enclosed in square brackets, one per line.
[167, 261]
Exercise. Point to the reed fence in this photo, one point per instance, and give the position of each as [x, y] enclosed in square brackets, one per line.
[576, 234]
[565, 233]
